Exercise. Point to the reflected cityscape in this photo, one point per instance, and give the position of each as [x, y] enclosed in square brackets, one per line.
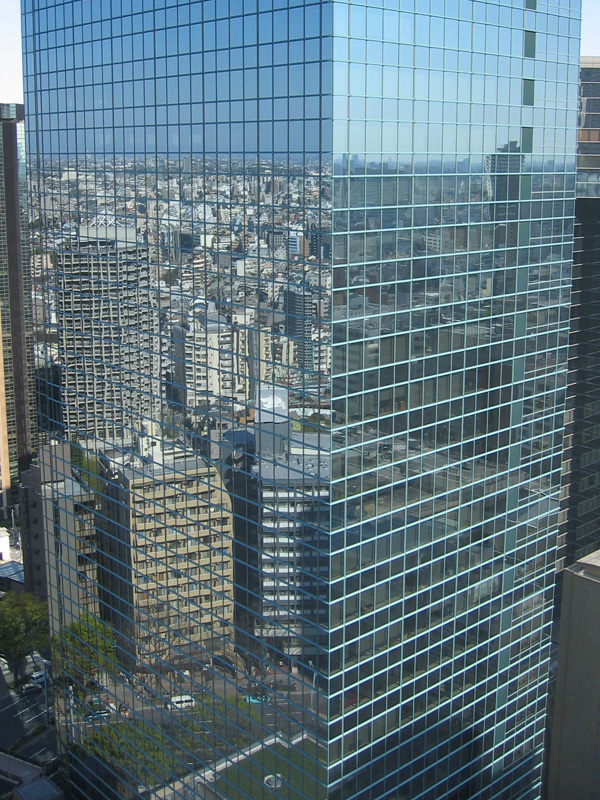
[303, 276]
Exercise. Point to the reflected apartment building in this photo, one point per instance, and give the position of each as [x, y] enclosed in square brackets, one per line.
[389, 193]
[165, 570]
[107, 326]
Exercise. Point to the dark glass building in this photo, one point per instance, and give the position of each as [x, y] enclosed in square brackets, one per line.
[18, 424]
[582, 453]
[353, 226]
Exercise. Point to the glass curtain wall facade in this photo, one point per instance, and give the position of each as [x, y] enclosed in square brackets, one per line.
[352, 224]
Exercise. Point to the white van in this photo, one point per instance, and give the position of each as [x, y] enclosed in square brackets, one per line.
[180, 702]
[39, 677]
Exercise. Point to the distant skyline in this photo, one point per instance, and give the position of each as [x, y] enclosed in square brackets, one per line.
[11, 70]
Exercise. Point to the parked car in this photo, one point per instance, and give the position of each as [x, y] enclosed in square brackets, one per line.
[38, 677]
[30, 688]
[180, 702]
[102, 713]
[287, 684]
[97, 710]
[258, 697]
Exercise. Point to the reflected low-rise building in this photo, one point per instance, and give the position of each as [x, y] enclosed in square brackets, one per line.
[165, 542]
[59, 537]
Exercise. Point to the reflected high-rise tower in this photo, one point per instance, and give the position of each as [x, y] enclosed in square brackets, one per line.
[107, 326]
[378, 202]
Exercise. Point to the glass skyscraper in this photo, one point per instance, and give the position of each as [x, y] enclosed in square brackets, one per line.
[307, 315]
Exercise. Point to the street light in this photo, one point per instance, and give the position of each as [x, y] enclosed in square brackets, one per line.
[69, 699]
[35, 658]
[314, 685]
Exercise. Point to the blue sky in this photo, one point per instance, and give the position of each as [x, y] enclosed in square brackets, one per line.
[10, 45]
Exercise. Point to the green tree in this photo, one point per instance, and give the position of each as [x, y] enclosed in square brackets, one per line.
[232, 720]
[23, 628]
[87, 465]
[137, 749]
[84, 649]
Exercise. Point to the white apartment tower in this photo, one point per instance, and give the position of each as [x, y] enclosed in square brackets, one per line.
[108, 335]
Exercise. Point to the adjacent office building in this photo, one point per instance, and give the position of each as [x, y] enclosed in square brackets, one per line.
[579, 532]
[18, 423]
[573, 763]
[570, 696]
[431, 157]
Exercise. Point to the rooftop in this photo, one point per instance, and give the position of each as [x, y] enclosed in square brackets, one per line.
[588, 566]
[12, 570]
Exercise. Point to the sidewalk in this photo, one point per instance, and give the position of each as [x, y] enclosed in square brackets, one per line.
[15, 768]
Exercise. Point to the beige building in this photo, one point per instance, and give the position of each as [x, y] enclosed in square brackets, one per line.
[224, 360]
[166, 549]
[574, 767]
[209, 368]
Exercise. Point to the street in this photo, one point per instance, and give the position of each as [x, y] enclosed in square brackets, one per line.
[286, 712]
[19, 716]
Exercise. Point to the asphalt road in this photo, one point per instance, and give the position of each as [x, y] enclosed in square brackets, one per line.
[287, 713]
[19, 716]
